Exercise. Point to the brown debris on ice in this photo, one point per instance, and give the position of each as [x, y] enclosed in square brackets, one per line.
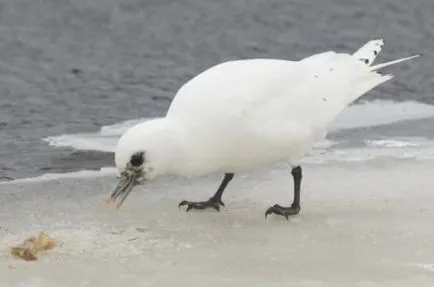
[29, 248]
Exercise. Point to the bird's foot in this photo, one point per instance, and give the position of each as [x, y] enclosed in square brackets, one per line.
[284, 211]
[210, 203]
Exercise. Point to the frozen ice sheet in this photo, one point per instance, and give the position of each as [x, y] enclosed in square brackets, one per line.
[360, 225]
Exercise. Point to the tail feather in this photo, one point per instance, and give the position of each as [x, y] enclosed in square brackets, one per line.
[369, 52]
[362, 77]
[382, 65]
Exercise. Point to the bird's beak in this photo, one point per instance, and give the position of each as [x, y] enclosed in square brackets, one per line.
[122, 189]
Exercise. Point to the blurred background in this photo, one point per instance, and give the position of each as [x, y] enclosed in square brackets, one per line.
[75, 74]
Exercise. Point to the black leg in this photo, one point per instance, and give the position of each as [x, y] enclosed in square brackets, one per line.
[215, 201]
[295, 206]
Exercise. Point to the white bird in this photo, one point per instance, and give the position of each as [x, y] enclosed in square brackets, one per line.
[246, 114]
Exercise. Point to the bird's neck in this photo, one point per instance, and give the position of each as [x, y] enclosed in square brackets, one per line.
[167, 146]
[175, 150]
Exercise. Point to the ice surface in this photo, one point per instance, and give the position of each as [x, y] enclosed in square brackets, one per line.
[364, 224]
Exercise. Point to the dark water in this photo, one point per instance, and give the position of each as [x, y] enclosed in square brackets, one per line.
[74, 66]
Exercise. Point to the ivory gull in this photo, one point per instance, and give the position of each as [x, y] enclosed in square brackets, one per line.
[245, 114]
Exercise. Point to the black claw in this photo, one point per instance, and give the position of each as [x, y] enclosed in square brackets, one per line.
[267, 212]
[284, 211]
[182, 203]
[211, 203]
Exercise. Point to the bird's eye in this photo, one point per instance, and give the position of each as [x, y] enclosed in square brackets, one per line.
[137, 159]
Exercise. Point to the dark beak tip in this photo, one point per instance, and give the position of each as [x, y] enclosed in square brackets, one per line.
[121, 191]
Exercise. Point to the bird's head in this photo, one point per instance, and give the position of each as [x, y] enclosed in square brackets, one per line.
[141, 154]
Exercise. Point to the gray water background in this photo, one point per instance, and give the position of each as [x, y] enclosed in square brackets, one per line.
[74, 66]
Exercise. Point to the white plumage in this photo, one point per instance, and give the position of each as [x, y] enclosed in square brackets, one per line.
[245, 114]
[240, 115]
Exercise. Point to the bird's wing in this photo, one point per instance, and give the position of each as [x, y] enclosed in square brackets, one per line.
[226, 89]
[277, 107]
[311, 92]
[321, 87]
[326, 83]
